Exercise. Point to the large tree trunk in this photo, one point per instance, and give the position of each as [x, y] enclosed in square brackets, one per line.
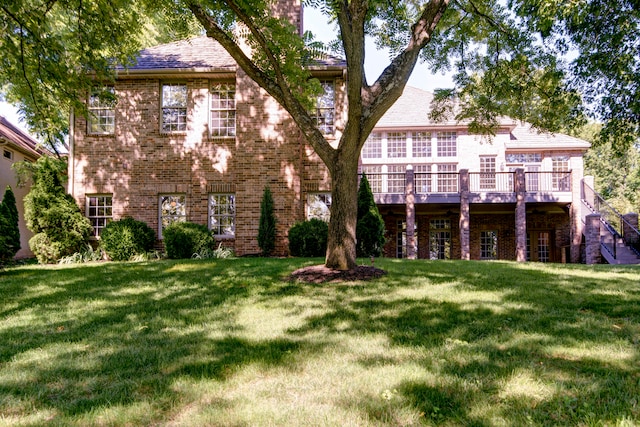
[341, 243]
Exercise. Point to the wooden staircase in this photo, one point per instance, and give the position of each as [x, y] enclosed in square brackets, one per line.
[616, 233]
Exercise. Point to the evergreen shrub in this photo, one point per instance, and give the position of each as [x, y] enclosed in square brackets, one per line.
[267, 224]
[184, 239]
[9, 229]
[370, 227]
[308, 238]
[124, 238]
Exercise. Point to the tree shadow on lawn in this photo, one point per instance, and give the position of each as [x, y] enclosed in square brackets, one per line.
[119, 334]
[519, 342]
[108, 335]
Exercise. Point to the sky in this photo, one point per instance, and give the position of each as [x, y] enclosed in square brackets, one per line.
[314, 21]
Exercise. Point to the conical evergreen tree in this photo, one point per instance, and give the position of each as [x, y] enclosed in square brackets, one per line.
[267, 225]
[9, 230]
[370, 227]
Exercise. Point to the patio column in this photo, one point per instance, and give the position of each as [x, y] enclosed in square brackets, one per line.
[465, 251]
[411, 212]
[521, 215]
[629, 228]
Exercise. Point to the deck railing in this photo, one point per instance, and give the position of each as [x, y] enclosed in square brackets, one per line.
[548, 181]
[449, 182]
[502, 182]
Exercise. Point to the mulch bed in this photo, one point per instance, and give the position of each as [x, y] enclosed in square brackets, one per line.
[322, 274]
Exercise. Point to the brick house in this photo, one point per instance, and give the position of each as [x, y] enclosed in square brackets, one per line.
[191, 137]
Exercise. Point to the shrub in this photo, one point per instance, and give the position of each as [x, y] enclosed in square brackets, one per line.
[267, 225]
[308, 238]
[87, 255]
[370, 227]
[53, 216]
[9, 230]
[183, 239]
[125, 238]
[219, 253]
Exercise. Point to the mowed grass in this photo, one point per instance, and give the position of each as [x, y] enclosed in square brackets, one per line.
[234, 343]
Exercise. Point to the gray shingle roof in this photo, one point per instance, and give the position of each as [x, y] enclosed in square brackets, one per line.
[194, 53]
[411, 110]
[524, 136]
[199, 53]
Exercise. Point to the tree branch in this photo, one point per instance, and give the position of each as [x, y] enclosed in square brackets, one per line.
[279, 90]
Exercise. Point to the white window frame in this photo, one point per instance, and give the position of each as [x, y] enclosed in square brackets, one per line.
[421, 144]
[396, 145]
[222, 104]
[223, 219]
[99, 213]
[447, 144]
[372, 148]
[176, 213]
[324, 113]
[168, 108]
[102, 113]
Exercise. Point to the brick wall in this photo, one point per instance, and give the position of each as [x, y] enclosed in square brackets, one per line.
[557, 224]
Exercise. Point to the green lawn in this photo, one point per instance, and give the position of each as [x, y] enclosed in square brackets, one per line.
[233, 343]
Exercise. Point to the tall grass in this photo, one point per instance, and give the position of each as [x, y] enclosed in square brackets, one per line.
[233, 342]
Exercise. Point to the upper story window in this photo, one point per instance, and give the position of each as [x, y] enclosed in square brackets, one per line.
[487, 172]
[396, 144]
[561, 176]
[523, 157]
[373, 147]
[174, 107]
[447, 144]
[421, 144]
[102, 114]
[223, 109]
[7, 154]
[325, 111]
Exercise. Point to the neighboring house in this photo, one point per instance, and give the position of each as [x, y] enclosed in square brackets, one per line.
[17, 146]
[191, 137]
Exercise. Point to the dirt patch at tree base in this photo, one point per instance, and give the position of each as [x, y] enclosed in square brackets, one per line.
[322, 274]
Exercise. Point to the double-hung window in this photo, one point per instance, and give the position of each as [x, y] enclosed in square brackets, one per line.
[101, 106]
[325, 111]
[172, 208]
[174, 107]
[99, 212]
[222, 120]
[222, 215]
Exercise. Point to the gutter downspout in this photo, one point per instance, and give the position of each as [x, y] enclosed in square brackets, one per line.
[71, 162]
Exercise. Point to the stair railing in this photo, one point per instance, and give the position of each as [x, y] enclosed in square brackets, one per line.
[614, 222]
